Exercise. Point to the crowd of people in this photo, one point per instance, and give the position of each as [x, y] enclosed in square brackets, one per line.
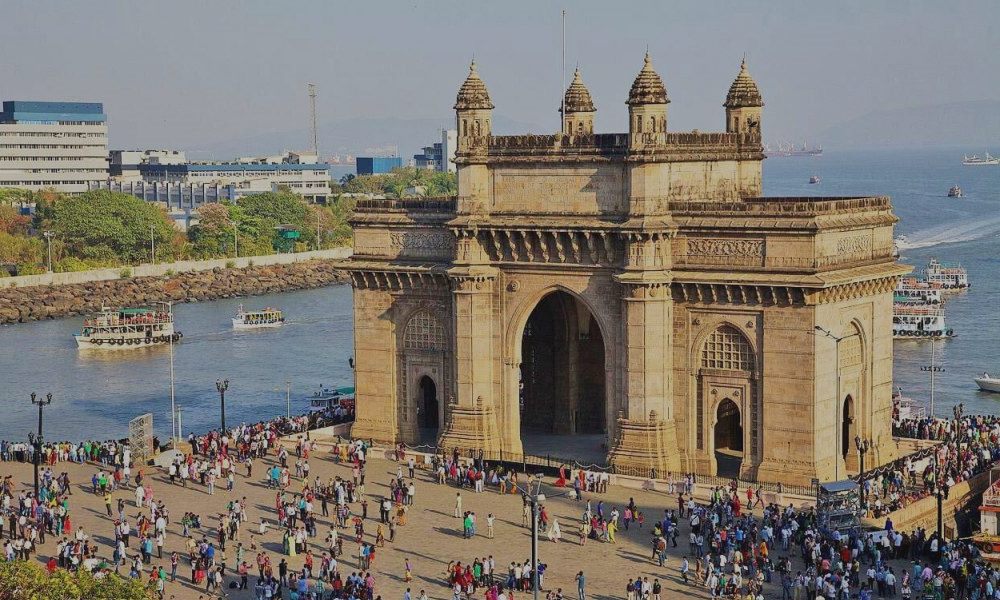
[329, 530]
[966, 447]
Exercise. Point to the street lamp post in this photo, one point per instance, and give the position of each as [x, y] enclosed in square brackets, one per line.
[959, 411]
[837, 424]
[222, 386]
[932, 369]
[48, 238]
[288, 399]
[863, 446]
[36, 440]
[174, 417]
[939, 492]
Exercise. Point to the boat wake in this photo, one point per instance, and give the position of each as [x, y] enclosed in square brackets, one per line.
[962, 231]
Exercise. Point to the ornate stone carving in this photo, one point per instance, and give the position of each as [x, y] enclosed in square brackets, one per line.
[855, 244]
[513, 285]
[420, 240]
[715, 247]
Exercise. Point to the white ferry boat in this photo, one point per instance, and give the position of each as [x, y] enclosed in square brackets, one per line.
[916, 320]
[332, 402]
[257, 319]
[904, 407]
[911, 289]
[127, 328]
[948, 278]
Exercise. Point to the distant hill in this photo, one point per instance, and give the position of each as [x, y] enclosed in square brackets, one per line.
[975, 125]
[357, 136]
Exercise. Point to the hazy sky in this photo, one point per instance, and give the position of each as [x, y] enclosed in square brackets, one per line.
[186, 73]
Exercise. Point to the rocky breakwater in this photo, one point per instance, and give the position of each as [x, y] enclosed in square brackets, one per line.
[18, 305]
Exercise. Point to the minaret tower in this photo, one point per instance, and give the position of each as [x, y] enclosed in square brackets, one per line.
[743, 104]
[578, 108]
[647, 108]
[473, 111]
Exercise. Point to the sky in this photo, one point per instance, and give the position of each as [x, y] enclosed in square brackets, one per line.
[191, 73]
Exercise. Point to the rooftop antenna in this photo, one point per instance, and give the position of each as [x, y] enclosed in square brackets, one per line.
[562, 90]
[312, 104]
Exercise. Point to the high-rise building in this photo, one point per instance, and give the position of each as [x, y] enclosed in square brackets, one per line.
[58, 145]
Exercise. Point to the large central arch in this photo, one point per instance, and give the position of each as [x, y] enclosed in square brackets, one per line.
[562, 389]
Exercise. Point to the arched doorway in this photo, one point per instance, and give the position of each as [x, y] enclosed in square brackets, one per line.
[846, 426]
[562, 386]
[728, 439]
[429, 406]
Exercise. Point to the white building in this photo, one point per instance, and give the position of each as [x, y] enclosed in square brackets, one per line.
[300, 172]
[125, 163]
[58, 145]
[441, 155]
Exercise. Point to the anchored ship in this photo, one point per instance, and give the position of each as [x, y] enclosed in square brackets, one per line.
[787, 149]
[947, 277]
[127, 328]
[916, 320]
[257, 319]
[976, 161]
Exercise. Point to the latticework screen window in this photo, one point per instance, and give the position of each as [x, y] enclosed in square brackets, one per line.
[424, 332]
[726, 348]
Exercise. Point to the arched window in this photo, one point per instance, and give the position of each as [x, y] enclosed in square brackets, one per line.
[638, 124]
[424, 332]
[465, 127]
[727, 348]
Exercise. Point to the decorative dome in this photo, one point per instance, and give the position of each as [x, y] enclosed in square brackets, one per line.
[744, 90]
[473, 93]
[647, 88]
[577, 97]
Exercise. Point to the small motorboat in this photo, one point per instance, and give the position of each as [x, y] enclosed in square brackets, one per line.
[988, 384]
[814, 179]
[955, 192]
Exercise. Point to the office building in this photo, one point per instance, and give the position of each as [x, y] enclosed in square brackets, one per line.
[377, 165]
[299, 172]
[441, 155]
[125, 163]
[57, 145]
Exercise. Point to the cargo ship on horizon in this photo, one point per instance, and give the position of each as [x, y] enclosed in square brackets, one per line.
[789, 149]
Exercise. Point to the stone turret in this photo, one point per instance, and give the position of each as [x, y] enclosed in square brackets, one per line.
[743, 104]
[647, 108]
[473, 110]
[578, 108]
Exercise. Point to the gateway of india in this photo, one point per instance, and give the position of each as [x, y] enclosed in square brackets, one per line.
[631, 290]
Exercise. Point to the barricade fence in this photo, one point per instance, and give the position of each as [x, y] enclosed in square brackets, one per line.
[550, 465]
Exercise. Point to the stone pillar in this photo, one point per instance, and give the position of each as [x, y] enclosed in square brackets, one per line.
[471, 419]
[647, 435]
[375, 362]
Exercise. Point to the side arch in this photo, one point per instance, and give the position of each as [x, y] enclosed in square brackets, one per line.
[725, 364]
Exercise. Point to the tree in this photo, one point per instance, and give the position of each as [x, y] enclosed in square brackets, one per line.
[12, 221]
[21, 250]
[22, 579]
[101, 224]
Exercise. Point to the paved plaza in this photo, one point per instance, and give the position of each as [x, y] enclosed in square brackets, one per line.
[431, 538]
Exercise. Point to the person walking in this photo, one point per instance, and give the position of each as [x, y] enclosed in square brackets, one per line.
[581, 581]
[458, 505]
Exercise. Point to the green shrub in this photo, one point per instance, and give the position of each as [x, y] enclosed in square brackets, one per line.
[171, 272]
[230, 264]
[71, 264]
[126, 273]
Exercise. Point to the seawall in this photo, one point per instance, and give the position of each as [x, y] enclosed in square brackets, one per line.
[68, 294]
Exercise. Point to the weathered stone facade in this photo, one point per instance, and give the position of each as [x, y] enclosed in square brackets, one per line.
[634, 285]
